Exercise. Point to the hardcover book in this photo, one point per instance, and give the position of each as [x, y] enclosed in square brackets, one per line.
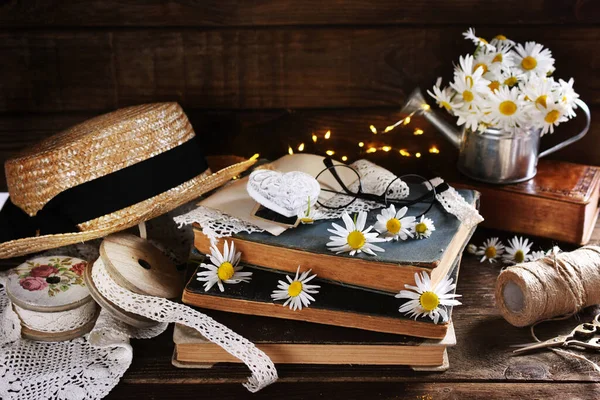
[336, 304]
[560, 202]
[295, 342]
[388, 271]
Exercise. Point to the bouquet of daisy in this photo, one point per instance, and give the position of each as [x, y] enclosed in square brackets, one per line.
[507, 86]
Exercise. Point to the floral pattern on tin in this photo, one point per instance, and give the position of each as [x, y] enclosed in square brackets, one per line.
[56, 275]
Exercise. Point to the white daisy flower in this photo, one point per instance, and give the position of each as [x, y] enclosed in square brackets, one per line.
[500, 59]
[506, 108]
[567, 96]
[537, 255]
[491, 249]
[296, 292]
[424, 228]
[471, 249]
[307, 216]
[354, 238]
[550, 117]
[224, 268]
[538, 91]
[477, 41]
[533, 58]
[501, 41]
[425, 300]
[510, 77]
[470, 88]
[471, 77]
[394, 225]
[444, 97]
[469, 118]
[518, 251]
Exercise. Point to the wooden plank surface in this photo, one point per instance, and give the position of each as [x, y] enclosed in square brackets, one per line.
[29, 13]
[271, 132]
[86, 70]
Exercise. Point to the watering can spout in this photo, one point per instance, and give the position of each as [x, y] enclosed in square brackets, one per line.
[417, 103]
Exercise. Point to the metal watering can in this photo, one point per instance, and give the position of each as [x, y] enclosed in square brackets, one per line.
[493, 156]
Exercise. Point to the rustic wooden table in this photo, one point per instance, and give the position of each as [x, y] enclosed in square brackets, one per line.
[481, 365]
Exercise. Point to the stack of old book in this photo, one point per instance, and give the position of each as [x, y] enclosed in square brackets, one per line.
[355, 318]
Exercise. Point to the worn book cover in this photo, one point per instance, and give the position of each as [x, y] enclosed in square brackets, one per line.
[388, 271]
[296, 342]
[567, 192]
[336, 304]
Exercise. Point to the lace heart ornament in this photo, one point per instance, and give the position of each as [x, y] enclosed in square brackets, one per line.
[287, 193]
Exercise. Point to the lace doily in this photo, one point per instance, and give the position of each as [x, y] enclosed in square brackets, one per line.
[70, 370]
[456, 205]
[163, 310]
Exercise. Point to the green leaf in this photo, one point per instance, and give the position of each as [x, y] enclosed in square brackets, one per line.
[64, 288]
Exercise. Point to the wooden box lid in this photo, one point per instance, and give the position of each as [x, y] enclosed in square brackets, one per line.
[48, 284]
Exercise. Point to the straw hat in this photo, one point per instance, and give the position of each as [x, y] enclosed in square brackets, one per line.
[103, 176]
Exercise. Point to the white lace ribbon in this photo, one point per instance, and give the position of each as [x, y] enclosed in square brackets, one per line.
[163, 310]
[455, 204]
[60, 321]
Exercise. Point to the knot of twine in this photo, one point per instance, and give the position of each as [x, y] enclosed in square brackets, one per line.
[556, 285]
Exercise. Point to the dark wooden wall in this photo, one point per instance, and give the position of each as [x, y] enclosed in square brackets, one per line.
[257, 76]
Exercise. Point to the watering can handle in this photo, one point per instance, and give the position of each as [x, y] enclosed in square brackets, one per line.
[575, 138]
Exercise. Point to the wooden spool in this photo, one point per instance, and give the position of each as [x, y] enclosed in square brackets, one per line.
[48, 288]
[136, 265]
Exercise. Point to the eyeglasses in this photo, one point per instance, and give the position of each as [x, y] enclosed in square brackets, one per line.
[333, 169]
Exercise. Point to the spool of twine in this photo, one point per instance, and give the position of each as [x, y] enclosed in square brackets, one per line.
[556, 285]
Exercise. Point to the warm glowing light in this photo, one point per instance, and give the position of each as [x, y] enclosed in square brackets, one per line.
[406, 120]
[314, 138]
[386, 148]
[434, 150]
[301, 147]
[373, 129]
[361, 144]
[328, 135]
[425, 107]
[418, 155]
[404, 153]
[255, 156]
[389, 128]
[330, 152]
[418, 131]
[344, 158]
[371, 150]
[290, 150]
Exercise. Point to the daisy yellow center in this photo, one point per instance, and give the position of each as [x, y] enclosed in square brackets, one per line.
[429, 301]
[393, 225]
[295, 288]
[498, 58]
[541, 101]
[469, 81]
[446, 105]
[306, 220]
[519, 256]
[507, 107]
[512, 81]
[528, 63]
[356, 240]
[483, 40]
[225, 271]
[468, 95]
[482, 66]
[490, 252]
[421, 227]
[552, 116]
[500, 37]
[494, 85]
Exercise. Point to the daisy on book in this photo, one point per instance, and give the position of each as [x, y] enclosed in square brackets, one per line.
[426, 300]
[296, 292]
[223, 269]
[394, 225]
[354, 238]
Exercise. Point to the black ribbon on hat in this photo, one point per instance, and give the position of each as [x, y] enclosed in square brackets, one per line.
[383, 198]
[107, 194]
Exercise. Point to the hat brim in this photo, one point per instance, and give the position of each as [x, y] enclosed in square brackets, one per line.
[132, 215]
